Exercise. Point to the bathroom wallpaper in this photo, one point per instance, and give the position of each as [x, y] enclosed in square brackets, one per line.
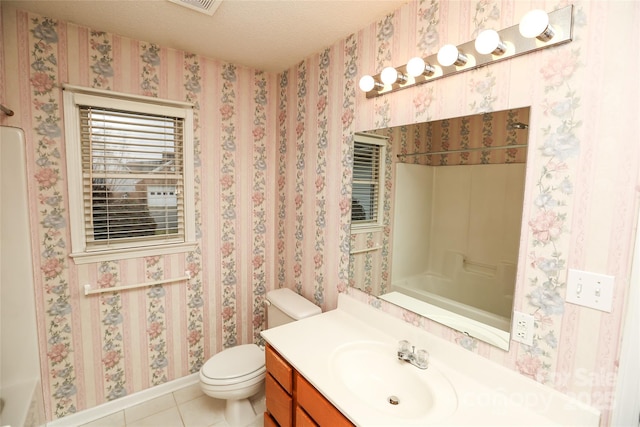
[273, 189]
[581, 198]
[102, 347]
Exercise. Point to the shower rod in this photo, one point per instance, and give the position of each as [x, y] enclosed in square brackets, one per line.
[464, 150]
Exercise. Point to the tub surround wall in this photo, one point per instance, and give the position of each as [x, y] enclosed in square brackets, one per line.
[473, 215]
[21, 400]
[273, 185]
[477, 214]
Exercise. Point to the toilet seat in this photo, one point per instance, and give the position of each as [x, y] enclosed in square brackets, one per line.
[235, 365]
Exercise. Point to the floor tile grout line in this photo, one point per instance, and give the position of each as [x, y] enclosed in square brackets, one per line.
[175, 401]
[255, 403]
[170, 406]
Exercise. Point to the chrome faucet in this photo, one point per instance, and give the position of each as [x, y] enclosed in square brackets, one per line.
[407, 352]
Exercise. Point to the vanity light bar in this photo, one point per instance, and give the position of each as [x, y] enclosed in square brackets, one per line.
[510, 43]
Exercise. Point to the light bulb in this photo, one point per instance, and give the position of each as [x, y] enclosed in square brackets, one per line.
[389, 75]
[488, 42]
[417, 67]
[535, 23]
[450, 55]
[366, 83]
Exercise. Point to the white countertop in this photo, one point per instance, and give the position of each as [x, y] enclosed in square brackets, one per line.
[487, 393]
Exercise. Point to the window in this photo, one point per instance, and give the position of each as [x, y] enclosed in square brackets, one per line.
[368, 181]
[130, 167]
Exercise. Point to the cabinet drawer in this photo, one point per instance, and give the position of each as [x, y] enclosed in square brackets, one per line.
[303, 419]
[315, 404]
[279, 402]
[279, 368]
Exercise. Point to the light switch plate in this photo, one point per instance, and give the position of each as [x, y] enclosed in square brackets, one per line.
[590, 290]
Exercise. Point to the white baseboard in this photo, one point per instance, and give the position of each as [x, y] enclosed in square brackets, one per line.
[125, 402]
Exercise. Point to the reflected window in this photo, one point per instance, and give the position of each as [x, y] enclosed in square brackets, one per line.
[368, 179]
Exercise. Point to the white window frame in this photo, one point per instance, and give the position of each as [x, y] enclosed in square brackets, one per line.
[73, 97]
[372, 139]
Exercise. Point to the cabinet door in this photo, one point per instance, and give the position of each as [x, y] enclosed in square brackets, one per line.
[303, 419]
[279, 402]
[269, 421]
[317, 406]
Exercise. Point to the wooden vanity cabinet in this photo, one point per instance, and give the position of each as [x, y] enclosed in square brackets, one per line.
[278, 390]
[320, 410]
[293, 401]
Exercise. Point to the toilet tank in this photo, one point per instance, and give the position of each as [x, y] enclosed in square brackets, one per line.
[284, 306]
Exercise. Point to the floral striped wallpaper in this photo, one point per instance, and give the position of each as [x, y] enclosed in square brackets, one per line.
[478, 133]
[98, 348]
[273, 189]
[581, 153]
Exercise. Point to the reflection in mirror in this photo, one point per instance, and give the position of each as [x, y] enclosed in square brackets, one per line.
[453, 198]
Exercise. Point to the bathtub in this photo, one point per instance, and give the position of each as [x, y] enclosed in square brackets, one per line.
[22, 404]
[466, 301]
[21, 399]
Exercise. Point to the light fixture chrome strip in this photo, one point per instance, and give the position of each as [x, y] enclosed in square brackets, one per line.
[514, 44]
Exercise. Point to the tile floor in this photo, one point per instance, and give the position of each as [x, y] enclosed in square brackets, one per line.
[187, 407]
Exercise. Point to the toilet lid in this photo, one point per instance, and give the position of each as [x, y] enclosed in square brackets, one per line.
[234, 362]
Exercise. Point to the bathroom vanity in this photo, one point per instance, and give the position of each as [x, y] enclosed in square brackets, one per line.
[292, 400]
[343, 364]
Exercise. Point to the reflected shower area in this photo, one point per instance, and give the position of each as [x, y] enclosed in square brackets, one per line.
[453, 205]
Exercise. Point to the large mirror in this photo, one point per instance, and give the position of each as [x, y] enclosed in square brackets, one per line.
[446, 241]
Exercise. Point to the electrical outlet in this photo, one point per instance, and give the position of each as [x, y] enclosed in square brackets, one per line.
[522, 329]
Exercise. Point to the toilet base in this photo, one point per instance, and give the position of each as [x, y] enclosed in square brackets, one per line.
[239, 412]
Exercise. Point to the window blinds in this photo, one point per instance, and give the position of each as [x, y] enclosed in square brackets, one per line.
[366, 183]
[132, 169]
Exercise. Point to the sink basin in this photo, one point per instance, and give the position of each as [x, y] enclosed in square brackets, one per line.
[372, 373]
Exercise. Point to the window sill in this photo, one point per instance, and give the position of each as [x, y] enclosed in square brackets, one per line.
[371, 228]
[117, 254]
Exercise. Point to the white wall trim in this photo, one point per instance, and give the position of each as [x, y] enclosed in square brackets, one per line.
[626, 404]
[109, 408]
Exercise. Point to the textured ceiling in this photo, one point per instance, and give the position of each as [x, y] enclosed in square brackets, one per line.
[269, 35]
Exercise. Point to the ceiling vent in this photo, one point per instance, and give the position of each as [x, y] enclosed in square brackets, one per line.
[204, 6]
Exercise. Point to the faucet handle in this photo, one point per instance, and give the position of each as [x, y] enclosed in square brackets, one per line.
[422, 359]
[404, 346]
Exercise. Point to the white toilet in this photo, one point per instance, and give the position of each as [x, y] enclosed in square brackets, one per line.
[237, 373]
